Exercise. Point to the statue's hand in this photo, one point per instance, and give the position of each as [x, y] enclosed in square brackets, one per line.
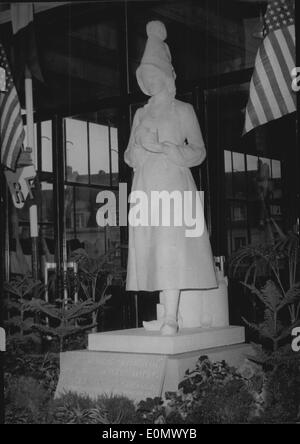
[160, 148]
[153, 147]
[167, 146]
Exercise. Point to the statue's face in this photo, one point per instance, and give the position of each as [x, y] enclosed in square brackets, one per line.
[153, 79]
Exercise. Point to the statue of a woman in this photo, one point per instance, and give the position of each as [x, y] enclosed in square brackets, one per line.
[165, 142]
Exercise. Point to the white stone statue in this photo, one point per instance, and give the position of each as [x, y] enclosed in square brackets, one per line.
[165, 142]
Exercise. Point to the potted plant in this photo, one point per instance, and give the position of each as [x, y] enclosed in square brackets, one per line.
[271, 272]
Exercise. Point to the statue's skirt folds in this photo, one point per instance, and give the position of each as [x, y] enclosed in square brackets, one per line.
[162, 257]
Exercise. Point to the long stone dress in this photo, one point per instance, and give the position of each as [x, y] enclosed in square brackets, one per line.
[162, 258]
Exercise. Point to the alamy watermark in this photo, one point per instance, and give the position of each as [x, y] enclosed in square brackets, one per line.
[296, 79]
[296, 340]
[153, 209]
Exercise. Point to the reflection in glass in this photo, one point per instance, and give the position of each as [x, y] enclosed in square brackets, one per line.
[46, 203]
[26, 144]
[240, 239]
[114, 155]
[69, 208]
[267, 165]
[76, 142]
[99, 154]
[92, 150]
[228, 173]
[46, 143]
[276, 184]
[99, 150]
[276, 169]
[82, 229]
[239, 176]
[238, 163]
[238, 212]
[259, 182]
[252, 163]
[228, 162]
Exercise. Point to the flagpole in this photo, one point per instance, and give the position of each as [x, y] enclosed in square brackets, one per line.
[33, 211]
[3, 278]
[297, 14]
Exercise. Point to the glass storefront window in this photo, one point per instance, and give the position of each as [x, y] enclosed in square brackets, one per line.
[239, 176]
[81, 224]
[76, 145]
[263, 197]
[46, 203]
[92, 149]
[254, 169]
[42, 153]
[34, 154]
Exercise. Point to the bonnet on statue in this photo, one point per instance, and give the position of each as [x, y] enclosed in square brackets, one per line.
[157, 53]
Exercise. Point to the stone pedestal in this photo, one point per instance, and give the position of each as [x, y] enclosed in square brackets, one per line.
[140, 364]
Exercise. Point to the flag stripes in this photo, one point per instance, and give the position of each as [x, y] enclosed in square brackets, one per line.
[271, 94]
[12, 132]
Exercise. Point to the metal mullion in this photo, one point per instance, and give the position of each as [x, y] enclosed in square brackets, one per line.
[74, 211]
[110, 158]
[39, 146]
[297, 154]
[247, 200]
[59, 158]
[88, 149]
[233, 194]
[91, 186]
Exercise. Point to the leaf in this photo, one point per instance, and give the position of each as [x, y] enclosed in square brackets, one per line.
[292, 295]
[259, 329]
[82, 309]
[12, 305]
[28, 323]
[39, 306]
[272, 295]
[259, 294]
[13, 321]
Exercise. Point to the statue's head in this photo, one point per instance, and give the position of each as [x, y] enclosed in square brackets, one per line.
[156, 72]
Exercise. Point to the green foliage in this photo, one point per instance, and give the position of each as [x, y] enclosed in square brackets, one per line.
[31, 317]
[96, 275]
[20, 318]
[266, 391]
[283, 393]
[272, 274]
[275, 302]
[69, 318]
[43, 368]
[282, 385]
[74, 409]
[26, 401]
[152, 411]
[213, 393]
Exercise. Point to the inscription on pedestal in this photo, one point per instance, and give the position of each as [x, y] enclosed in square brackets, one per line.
[135, 376]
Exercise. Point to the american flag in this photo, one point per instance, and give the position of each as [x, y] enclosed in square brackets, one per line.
[12, 132]
[271, 93]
